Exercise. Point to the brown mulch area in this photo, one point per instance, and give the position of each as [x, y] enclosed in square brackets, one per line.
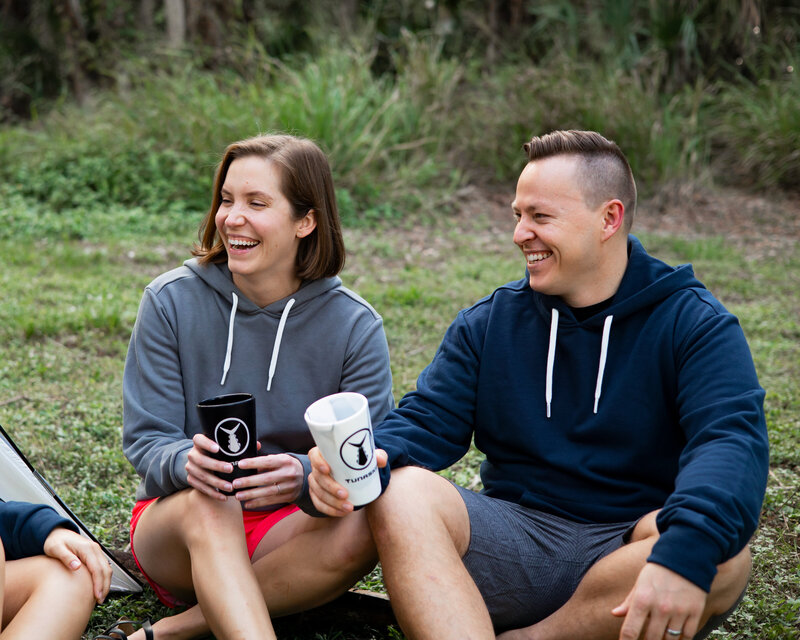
[762, 224]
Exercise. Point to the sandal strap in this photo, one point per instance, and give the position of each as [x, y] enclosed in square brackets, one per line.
[116, 632]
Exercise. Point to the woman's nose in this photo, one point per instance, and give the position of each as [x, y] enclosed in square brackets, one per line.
[235, 217]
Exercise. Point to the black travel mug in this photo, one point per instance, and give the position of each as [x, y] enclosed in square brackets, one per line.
[230, 421]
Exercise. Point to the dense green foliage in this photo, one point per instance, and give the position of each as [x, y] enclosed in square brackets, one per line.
[410, 102]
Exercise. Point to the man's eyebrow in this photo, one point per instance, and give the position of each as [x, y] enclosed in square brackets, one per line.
[529, 207]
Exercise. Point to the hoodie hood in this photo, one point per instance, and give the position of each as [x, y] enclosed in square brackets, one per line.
[220, 279]
[646, 282]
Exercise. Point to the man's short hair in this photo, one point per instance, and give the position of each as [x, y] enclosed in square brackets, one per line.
[603, 172]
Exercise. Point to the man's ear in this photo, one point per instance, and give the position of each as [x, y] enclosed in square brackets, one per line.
[307, 224]
[613, 218]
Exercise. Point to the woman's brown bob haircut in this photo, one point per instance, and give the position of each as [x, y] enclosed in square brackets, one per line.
[306, 182]
[603, 173]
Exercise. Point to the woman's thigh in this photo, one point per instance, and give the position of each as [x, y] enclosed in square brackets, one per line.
[348, 535]
[164, 532]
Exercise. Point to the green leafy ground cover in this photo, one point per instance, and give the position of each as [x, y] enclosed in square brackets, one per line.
[68, 308]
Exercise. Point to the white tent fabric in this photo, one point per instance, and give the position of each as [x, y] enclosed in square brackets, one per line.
[20, 481]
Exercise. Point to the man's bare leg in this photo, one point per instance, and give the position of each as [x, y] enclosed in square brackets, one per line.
[588, 613]
[421, 528]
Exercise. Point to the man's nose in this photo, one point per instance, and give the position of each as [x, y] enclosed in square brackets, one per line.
[523, 232]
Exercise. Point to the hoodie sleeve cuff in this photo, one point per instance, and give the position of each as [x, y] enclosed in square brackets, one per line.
[385, 475]
[180, 475]
[304, 499]
[689, 553]
[29, 525]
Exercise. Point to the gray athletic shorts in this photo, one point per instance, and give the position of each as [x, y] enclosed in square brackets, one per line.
[527, 563]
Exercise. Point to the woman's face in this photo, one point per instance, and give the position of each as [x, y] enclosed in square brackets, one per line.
[255, 223]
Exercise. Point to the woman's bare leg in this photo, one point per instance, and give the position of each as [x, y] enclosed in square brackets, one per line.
[302, 562]
[195, 547]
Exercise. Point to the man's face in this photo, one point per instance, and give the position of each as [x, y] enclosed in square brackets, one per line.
[560, 236]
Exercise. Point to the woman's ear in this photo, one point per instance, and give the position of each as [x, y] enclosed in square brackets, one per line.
[307, 224]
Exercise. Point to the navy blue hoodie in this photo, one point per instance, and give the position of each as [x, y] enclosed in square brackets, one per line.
[653, 403]
[24, 527]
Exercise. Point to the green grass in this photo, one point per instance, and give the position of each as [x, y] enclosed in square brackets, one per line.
[69, 306]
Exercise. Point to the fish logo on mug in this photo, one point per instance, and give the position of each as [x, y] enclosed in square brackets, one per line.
[233, 431]
[357, 451]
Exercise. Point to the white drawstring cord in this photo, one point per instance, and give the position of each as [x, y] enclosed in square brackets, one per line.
[277, 347]
[551, 353]
[227, 365]
[602, 367]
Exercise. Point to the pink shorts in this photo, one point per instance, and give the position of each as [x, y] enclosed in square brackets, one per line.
[256, 525]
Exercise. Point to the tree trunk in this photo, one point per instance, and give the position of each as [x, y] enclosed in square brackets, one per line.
[175, 12]
[147, 10]
[73, 28]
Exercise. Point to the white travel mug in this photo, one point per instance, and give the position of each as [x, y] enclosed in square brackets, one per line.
[342, 429]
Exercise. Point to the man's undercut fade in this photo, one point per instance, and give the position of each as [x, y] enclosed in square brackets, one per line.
[603, 171]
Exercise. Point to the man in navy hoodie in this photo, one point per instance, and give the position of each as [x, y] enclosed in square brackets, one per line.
[618, 407]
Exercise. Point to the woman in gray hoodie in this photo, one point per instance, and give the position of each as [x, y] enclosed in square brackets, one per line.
[259, 310]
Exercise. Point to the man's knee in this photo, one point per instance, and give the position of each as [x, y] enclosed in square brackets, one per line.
[411, 491]
[730, 581]
[416, 500]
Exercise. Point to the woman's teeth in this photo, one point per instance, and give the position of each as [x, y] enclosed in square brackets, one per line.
[243, 244]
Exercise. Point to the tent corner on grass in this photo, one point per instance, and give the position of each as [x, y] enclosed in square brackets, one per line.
[21, 482]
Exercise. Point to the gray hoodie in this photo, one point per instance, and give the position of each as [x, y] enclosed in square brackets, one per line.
[197, 336]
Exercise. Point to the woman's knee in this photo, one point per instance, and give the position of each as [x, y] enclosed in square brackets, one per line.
[207, 518]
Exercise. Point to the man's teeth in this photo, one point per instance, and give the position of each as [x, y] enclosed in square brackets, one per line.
[238, 244]
[536, 257]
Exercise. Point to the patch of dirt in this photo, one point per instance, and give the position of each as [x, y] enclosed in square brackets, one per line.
[761, 225]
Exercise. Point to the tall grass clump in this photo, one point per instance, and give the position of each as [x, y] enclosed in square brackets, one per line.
[757, 133]
[154, 142]
[406, 119]
[662, 137]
